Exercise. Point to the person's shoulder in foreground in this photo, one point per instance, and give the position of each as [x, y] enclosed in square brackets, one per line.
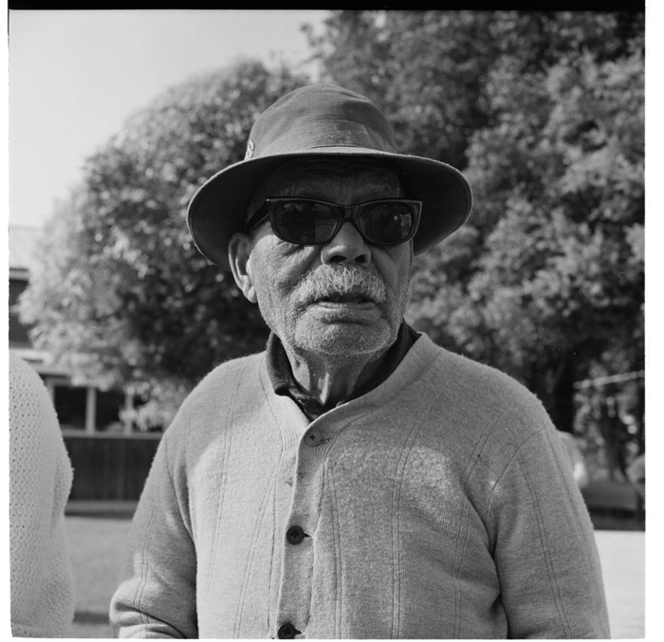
[42, 589]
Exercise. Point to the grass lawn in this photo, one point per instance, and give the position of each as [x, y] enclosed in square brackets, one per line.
[96, 547]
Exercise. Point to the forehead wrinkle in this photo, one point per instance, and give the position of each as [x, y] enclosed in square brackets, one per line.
[299, 188]
[384, 184]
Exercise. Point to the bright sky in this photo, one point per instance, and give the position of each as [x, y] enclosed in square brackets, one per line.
[75, 76]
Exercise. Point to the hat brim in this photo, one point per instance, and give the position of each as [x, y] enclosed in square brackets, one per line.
[219, 207]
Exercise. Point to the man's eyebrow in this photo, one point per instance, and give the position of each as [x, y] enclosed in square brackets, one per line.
[293, 189]
[288, 190]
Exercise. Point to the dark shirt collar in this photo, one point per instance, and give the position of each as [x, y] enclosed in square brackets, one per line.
[284, 383]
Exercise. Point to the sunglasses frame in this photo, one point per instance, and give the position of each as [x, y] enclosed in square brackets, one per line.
[344, 213]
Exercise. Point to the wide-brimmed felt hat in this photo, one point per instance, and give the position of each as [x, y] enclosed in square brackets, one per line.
[313, 122]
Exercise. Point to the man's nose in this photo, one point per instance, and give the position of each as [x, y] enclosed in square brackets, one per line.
[347, 247]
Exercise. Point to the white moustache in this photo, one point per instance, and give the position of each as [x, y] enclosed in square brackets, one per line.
[328, 282]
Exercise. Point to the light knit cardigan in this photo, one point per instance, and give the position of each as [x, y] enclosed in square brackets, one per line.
[438, 505]
[42, 588]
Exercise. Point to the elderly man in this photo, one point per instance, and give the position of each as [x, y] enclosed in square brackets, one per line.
[354, 480]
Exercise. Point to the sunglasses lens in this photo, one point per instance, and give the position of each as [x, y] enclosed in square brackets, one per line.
[386, 223]
[306, 223]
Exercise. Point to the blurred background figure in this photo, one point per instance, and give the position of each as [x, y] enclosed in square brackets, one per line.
[576, 458]
[42, 590]
[636, 474]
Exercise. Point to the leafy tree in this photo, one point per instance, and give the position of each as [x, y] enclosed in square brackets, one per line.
[544, 112]
[428, 70]
[553, 280]
[122, 294]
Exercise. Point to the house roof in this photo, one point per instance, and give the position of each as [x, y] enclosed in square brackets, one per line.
[22, 242]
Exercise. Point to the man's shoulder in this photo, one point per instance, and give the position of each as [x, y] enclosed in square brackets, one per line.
[232, 368]
[225, 383]
[470, 372]
[483, 390]
[476, 408]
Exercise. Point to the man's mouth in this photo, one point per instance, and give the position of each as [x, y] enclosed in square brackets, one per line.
[354, 305]
[345, 298]
[356, 295]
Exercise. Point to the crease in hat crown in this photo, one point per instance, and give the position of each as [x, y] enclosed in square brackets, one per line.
[314, 120]
[320, 116]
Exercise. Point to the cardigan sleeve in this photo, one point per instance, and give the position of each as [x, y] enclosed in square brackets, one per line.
[545, 552]
[157, 597]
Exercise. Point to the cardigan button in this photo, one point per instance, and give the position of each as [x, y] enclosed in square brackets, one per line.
[294, 535]
[313, 438]
[287, 631]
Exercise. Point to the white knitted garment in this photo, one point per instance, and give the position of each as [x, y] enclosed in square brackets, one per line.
[42, 588]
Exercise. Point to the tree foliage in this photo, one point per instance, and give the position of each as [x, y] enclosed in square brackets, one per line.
[545, 113]
[122, 295]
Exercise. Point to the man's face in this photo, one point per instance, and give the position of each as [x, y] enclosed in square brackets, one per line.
[330, 319]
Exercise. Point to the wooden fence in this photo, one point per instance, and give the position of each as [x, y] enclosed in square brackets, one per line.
[109, 466]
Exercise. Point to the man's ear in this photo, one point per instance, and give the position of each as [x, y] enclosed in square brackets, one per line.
[239, 251]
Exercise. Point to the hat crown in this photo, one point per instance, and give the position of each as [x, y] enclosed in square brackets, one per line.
[318, 116]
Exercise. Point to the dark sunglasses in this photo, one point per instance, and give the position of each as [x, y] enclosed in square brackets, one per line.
[307, 221]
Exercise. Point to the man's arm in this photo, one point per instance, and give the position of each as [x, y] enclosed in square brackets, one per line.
[157, 597]
[545, 551]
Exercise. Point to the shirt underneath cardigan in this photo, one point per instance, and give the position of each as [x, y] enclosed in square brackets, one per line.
[438, 505]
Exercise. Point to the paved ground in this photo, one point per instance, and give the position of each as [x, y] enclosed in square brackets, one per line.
[623, 567]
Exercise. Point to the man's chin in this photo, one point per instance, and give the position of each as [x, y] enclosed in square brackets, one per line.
[345, 335]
